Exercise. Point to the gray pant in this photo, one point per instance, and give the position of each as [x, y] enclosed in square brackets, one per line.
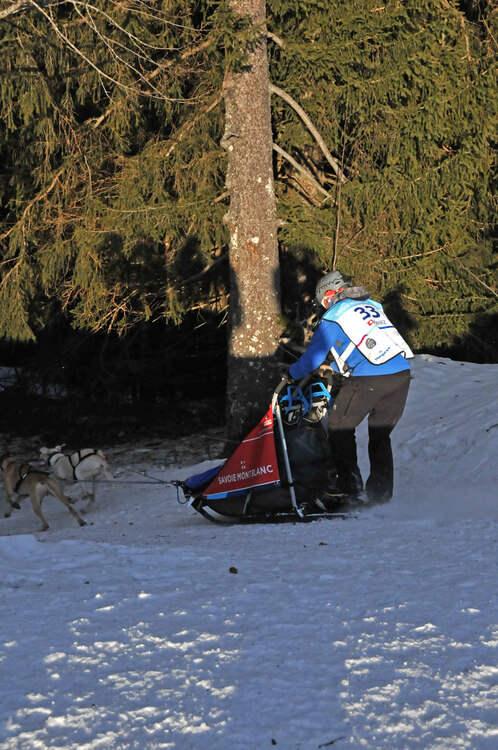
[382, 398]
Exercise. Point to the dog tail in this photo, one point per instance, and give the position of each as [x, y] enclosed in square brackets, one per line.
[105, 466]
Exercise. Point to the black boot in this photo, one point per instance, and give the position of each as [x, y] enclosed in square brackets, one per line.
[378, 498]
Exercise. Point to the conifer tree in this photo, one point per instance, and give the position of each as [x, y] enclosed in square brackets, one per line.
[112, 189]
[254, 325]
[405, 95]
[111, 162]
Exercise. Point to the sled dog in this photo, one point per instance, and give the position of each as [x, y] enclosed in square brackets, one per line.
[86, 466]
[24, 480]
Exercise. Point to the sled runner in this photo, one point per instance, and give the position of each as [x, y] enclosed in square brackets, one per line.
[279, 473]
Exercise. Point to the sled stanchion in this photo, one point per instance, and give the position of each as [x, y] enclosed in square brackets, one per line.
[286, 458]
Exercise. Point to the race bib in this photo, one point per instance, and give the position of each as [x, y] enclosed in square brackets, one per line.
[370, 330]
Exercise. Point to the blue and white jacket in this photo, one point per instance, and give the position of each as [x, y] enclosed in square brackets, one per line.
[360, 339]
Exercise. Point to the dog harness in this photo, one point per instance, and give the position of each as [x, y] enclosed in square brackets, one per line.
[78, 458]
[23, 473]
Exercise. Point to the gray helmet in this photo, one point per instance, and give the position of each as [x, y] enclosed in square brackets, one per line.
[331, 281]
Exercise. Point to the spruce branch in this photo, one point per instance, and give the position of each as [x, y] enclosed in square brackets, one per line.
[153, 92]
[13, 9]
[65, 39]
[183, 130]
[141, 7]
[223, 256]
[153, 74]
[304, 117]
[362, 229]
[140, 44]
[39, 197]
[467, 270]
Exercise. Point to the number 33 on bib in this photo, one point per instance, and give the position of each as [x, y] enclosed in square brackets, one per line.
[370, 331]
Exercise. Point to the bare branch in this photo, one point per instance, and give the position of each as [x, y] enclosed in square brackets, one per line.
[14, 9]
[335, 255]
[22, 5]
[301, 169]
[304, 117]
[275, 39]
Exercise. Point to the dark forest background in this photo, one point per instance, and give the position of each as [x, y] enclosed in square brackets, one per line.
[114, 263]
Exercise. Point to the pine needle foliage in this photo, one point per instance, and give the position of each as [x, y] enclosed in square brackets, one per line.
[111, 163]
[404, 95]
[112, 189]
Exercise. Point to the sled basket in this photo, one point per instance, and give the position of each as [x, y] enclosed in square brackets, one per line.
[256, 483]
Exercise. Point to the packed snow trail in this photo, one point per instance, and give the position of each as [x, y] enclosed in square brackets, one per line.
[152, 628]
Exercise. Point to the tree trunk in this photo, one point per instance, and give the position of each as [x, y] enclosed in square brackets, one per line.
[254, 320]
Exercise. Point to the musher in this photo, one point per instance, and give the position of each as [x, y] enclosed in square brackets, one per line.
[359, 342]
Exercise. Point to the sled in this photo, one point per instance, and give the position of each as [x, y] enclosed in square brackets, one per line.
[279, 472]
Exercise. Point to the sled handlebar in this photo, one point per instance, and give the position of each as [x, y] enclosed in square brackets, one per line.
[284, 382]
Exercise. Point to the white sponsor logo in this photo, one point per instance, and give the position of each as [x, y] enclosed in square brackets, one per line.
[249, 474]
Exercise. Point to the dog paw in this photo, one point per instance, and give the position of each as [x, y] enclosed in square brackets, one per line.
[82, 522]
[16, 505]
[7, 514]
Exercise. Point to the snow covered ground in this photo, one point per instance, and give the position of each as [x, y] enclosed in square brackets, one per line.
[152, 628]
